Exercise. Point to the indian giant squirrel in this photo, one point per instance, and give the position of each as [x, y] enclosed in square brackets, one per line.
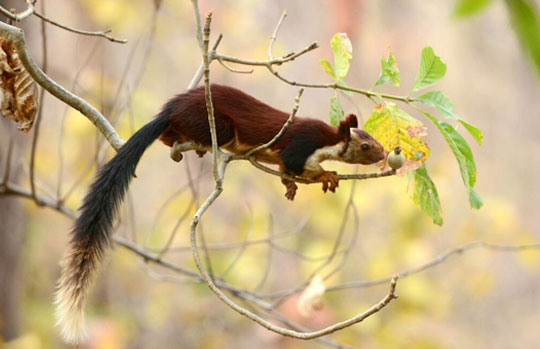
[242, 123]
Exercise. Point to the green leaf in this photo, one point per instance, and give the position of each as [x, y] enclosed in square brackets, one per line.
[475, 132]
[389, 71]
[470, 7]
[524, 16]
[475, 200]
[463, 155]
[425, 195]
[336, 111]
[432, 69]
[342, 48]
[327, 66]
[392, 126]
[437, 100]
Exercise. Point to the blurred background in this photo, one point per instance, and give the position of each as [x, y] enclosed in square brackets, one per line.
[478, 299]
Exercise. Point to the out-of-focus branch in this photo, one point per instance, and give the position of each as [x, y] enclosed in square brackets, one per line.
[199, 73]
[17, 17]
[40, 110]
[30, 10]
[103, 33]
[274, 35]
[16, 36]
[233, 70]
[443, 257]
[271, 62]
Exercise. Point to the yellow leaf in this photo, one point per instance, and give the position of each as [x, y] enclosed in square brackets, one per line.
[392, 126]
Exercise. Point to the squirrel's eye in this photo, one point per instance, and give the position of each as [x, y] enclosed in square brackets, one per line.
[365, 147]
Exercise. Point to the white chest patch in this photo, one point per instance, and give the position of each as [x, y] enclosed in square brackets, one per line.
[330, 152]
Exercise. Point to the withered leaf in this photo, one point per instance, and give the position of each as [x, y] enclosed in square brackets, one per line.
[18, 91]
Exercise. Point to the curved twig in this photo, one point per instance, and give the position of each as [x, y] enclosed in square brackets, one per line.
[219, 164]
[274, 35]
[19, 16]
[233, 70]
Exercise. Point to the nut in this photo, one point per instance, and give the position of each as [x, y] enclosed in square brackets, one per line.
[396, 158]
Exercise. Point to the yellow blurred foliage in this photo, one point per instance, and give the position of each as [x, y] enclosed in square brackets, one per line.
[122, 14]
[26, 341]
[479, 283]
[419, 293]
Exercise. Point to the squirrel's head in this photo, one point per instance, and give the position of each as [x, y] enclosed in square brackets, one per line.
[360, 147]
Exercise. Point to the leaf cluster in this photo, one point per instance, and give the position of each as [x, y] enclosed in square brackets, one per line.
[392, 126]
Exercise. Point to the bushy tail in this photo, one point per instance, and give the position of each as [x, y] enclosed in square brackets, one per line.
[92, 231]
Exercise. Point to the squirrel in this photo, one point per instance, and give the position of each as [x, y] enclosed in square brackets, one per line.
[242, 123]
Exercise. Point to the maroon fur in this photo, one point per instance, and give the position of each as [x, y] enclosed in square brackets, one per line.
[244, 122]
[255, 122]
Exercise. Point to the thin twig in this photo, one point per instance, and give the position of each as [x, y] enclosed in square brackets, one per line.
[233, 70]
[266, 273]
[278, 135]
[103, 34]
[138, 76]
[200, 71]
[39, 115]
[268, 62]
[7, 166]
[358, 176]
[159, 213]
[335, 248]
[274, 35]
[63, 126]
[243, 246]
[179, 222]
[438, 260]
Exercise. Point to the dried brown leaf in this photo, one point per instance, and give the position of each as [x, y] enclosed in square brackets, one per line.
[19, 93]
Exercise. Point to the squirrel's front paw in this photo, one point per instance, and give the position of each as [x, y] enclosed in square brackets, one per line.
[329, 180]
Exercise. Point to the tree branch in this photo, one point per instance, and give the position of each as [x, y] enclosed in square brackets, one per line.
[16, 36]
[17, 17]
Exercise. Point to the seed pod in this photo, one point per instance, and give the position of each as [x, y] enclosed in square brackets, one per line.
[396, 158]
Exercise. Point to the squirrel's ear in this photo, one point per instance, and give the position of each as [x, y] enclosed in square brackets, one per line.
[344, 128]
[345, 125]
[352, 120]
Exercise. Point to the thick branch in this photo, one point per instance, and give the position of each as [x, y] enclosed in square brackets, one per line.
[16, 36]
